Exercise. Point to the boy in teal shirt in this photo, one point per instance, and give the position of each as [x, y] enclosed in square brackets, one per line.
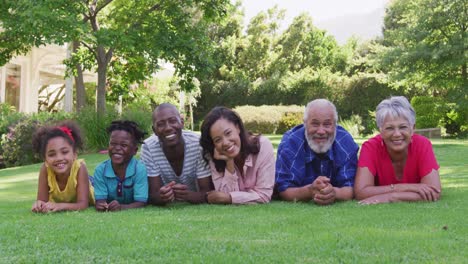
[121, 181]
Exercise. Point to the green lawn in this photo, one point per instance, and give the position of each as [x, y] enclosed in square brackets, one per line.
[278, 232]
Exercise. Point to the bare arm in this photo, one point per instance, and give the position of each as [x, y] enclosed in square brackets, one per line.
[365, 189]
[182, 192]
[344, 193]
[305, 193]
[159, 194]
[364, 185]
[42, 191]
[132, 205]
[116, 206]
[43, 187]
[329, 194]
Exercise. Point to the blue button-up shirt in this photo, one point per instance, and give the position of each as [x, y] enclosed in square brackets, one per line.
[134, 188]
[298, 165]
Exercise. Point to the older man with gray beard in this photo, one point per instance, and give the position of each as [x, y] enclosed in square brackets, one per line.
[317, 160]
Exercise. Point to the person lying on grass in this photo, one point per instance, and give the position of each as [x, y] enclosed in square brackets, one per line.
[242, 165]
[173, 159]
[317, 160]
[397, 165]
[63, 179]
[121, 181]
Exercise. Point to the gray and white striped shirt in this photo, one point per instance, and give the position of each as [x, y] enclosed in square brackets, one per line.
[157, 164]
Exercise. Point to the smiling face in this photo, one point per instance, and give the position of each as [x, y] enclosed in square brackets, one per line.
[59, 156]
[167, 125]
[396, 133]
[226, 139]
[320, 128]
[121, 147]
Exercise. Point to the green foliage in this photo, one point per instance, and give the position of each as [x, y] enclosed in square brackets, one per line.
[430, 111]
[16, 134]
[360, 96]
[8, 117]
[16, 145]
[266, 66]
[290, 120]
[353, 125]
[142, 117]
[93, 127]
[123, 41]
[456, 120]
[266, 119]
[426, 44]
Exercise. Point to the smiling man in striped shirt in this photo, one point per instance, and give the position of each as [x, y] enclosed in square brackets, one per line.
[173, 159]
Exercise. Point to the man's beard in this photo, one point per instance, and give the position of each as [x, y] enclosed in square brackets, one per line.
[321, 147]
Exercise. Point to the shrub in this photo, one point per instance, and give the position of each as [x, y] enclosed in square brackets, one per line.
[265, 119]
[93, 128]
[353, 126]
[17, 143]
[456, 120]
[429, 111]
[361, 95]
[8, 117]
[290, 120]
[142, 117]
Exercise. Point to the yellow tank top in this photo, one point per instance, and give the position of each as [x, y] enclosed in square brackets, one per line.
[68, 195]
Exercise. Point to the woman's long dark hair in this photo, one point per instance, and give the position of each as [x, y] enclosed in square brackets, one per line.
[249, 143]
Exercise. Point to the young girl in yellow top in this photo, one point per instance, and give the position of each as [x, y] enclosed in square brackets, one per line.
[63, 179]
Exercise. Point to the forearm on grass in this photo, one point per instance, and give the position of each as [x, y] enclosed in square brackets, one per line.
[196, 197]
[303, 194]
[344, 193]
[132, 205]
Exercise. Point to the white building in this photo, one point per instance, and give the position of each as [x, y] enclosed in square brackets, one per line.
[22, 76]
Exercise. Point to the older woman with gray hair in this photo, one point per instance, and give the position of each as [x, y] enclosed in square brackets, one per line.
[396, 165]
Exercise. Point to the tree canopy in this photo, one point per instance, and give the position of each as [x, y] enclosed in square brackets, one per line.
[427, 43]
[137, 34]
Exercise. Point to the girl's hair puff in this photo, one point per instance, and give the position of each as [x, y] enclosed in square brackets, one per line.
[68, 130]
[129, 126]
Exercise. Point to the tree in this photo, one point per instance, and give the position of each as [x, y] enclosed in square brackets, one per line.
[427, 44]
[136, 33]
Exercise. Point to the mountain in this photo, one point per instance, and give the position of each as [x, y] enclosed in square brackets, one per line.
[365, 26]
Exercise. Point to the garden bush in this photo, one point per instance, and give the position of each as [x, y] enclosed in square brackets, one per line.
[430, 111]
[456, 120]
[17, 143]
[265, 119]
[17, 129]
[8, 117]
[290, 120]
[93, 127]
[361, 96]
[142, 117]
[353, 125]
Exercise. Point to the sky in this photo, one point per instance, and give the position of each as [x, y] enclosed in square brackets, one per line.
[321, 11]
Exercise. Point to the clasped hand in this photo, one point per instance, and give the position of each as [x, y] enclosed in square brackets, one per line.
[103, 206]
[174, 191]
[45, 207]
[322, 191]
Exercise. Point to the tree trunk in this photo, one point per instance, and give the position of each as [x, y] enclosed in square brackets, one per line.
[102, 61]
[101, 89]
[79, 83]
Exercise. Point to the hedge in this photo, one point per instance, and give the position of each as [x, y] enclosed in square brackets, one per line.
[270, 119]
